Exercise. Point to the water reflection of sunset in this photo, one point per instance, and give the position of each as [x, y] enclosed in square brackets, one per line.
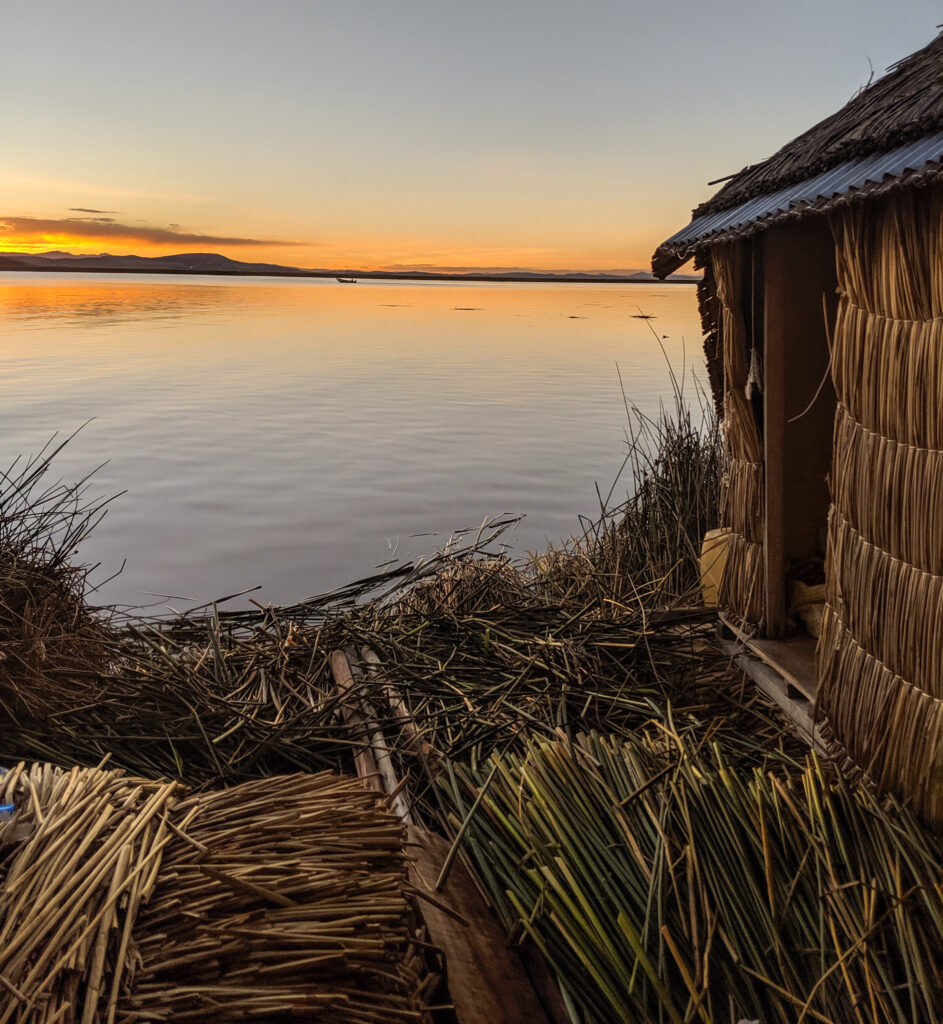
[368, 315]
[282, 432]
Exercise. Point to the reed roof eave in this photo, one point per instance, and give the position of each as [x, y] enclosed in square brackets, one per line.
[848, 184]
[903, 106]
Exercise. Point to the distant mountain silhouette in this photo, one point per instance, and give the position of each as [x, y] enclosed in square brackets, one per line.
[192, 262]
[214, 263]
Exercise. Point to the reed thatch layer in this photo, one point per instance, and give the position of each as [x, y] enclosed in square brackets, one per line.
[741, 586]
[868, 466]
[889, 255]
[742, 502]
[893, 609]
[727, 269]
[890, 727]
[663, 884]
[894, 384]
[711, 312]
[740, 428]
[125, 900]
[881, 675]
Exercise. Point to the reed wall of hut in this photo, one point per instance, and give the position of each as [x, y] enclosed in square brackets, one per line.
[741, 592]
[880, 656]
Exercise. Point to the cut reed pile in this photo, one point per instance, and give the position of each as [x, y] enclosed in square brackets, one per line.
[685, 866]
[664, 884]
[603, 632]
[127, 900]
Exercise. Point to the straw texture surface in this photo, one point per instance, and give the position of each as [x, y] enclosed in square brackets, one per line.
[742, 505]
[880, 656]
[127, 900]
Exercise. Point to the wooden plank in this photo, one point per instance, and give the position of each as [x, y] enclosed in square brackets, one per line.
[775, 292]
[367, 769]
[797, 709]
[375, 756]
[486, 979]
[415, 744]
[792, 659]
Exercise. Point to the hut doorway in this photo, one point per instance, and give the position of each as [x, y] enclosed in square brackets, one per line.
[792, 270]
[800, 304]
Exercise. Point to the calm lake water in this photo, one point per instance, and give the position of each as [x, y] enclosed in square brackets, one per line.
[295, 434]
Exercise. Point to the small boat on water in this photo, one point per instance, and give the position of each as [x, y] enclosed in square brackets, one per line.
[347, 280]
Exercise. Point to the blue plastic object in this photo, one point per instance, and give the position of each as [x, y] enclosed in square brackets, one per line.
[7, 808]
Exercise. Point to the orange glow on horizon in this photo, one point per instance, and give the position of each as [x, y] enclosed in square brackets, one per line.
[362, 254]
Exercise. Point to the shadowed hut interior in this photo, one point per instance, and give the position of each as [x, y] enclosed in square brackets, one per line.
[822, 303]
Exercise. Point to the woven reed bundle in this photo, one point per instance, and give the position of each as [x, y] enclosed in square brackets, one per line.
[742, 503]
[888, 255]
[894, 382]
[727, 265]
[881, 651]
[742, 499]
[743, 436]
[865, 462]
[890, 727]
[123, 900]
[895, 610]
[741, 586]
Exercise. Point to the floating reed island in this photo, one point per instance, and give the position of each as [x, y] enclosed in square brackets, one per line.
[474, 789]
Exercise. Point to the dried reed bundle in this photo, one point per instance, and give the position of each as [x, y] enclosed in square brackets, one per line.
[124, 900]
[727, 269]
[662, 883]
[890, 727]
[742, 503]
[869, 466]
[284, 897]
[741, 587]
[740, 429]
[880, 653]
[894, 610]
[889, 373]
[79, 855]
[743, 507]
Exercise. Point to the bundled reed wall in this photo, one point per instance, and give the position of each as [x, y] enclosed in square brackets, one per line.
[742, 505]
[880, 656]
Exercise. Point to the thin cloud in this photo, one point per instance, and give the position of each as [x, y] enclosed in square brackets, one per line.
[105, 228]
[86, 209]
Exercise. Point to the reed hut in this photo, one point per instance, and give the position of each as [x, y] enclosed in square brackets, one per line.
[822, 302]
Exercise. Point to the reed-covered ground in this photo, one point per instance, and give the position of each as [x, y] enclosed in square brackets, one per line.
[624, 797]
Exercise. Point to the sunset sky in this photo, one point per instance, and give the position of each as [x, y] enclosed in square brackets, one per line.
[396, 133]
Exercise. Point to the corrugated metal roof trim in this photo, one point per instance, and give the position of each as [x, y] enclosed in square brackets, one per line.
[838, 181]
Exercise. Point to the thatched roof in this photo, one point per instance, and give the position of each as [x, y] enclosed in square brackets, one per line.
[894, 113]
